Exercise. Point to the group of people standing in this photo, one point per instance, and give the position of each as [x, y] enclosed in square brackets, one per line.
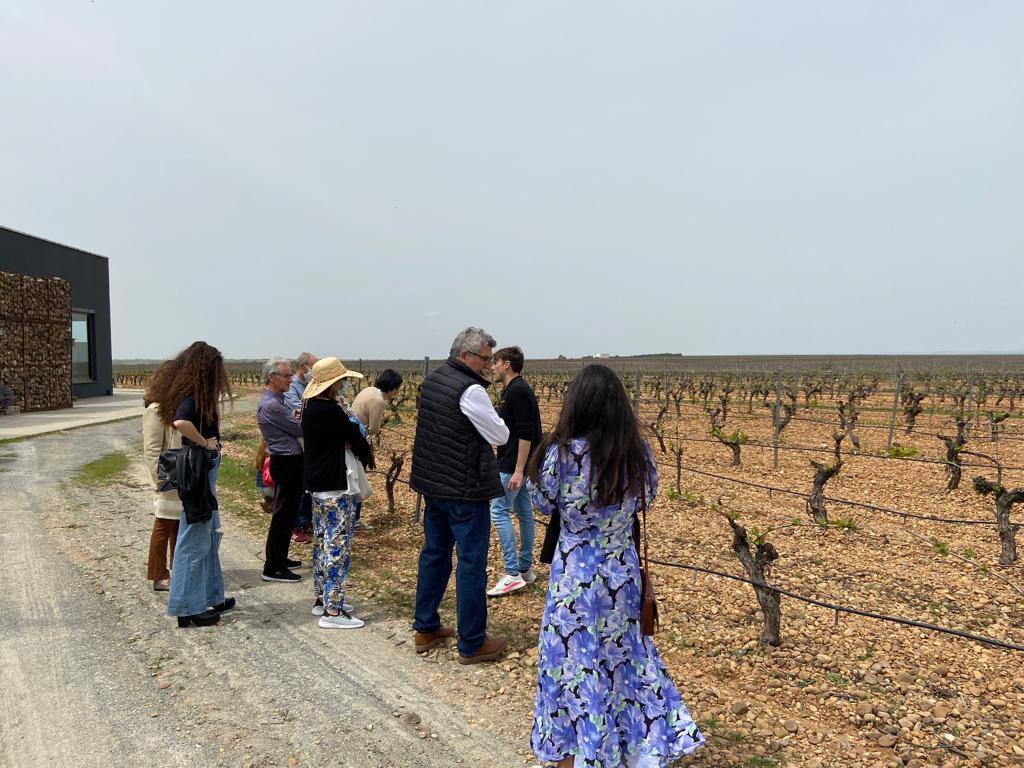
[604, 697]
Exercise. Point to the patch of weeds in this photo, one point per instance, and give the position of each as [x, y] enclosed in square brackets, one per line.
[762, 762]
[837, 680]
[735, 737]
[843, 523]
[940, 546]
[897, 451]
[104, 470]
[968, 553]
[869, 652]
[710, 725]
[672, 494]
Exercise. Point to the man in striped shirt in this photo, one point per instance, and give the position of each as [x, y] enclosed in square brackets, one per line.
[281, 430]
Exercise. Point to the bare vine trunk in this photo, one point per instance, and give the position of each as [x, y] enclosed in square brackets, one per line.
[391, 478]
[1004, 504]
[758, 566]
[822, 474]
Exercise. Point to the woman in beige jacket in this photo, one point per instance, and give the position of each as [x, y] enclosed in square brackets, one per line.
[157, 438]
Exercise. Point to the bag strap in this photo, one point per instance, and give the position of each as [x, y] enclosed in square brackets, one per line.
[643, 508]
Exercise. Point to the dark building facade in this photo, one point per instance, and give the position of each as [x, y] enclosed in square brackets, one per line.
[89, 318]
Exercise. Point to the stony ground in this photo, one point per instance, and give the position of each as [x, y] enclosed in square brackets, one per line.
[856, 692]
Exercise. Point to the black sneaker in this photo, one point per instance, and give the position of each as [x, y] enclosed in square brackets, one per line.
[282, 575]
[293, 563]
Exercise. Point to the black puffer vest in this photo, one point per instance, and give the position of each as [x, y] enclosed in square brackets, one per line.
[450, 460]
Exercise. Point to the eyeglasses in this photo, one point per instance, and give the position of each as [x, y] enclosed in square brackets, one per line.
[485, 358]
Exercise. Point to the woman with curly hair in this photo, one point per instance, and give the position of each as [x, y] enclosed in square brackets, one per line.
[189, 390]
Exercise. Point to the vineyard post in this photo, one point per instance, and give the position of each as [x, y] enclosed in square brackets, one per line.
[776, 414]
[426, 365]
[636, 394]
[897, 391]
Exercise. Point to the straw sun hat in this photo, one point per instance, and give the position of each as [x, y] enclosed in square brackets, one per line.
[326, 372]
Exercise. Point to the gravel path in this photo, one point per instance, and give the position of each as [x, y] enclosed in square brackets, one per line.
[93, 674]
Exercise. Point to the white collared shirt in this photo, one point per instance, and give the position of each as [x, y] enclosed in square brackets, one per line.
[477, 407]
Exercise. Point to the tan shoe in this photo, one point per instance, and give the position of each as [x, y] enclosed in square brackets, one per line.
[492, 648]
[425, 641]
[162, 585]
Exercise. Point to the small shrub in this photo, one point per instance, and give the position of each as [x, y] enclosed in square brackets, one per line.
[897, 451]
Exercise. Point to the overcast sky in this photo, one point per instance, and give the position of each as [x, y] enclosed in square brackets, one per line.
[365, 178]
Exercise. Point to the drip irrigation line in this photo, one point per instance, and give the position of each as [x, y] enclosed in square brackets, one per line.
[809, 449]
[991, 641]
[848, 502]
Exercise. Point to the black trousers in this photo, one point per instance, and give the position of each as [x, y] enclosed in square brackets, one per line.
[288, 486]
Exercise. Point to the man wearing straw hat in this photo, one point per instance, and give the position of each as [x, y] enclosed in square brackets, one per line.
[454, 467]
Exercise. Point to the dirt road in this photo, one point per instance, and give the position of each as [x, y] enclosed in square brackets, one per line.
[92, 673]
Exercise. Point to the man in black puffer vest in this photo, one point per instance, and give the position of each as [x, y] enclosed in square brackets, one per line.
[454, 467]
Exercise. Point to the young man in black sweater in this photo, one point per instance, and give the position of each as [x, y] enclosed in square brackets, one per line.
[519, 410]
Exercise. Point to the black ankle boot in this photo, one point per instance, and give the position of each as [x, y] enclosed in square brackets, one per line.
[204, 619]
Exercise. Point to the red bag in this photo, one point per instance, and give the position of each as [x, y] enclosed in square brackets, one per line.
[267, 479]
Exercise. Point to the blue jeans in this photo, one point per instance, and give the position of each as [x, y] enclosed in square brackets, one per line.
[196, 578]
[518, 500]
[305, 515]
[466, 526]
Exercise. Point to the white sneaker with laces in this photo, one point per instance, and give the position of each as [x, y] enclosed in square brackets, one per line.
[528, 576]
[318, 609]
[506, 584]
[342, 621]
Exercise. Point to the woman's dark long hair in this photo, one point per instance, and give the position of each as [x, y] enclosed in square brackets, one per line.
[597, 409]
[197, 370]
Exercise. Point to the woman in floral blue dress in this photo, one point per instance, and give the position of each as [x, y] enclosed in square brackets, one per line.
[603, 695]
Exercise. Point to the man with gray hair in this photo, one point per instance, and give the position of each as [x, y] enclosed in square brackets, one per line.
[303, 371]
[281, 430]
[454, 467]
[303, 367]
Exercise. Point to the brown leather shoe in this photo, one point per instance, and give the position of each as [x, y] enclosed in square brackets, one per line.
[492, 648]
[425, 641]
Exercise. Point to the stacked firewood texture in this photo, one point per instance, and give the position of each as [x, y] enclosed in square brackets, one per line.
[35, 340]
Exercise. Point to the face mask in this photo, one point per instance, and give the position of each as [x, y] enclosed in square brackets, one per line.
[346, 389]
[308, 376]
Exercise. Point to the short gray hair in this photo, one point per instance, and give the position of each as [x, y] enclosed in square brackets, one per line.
[472, 340]
[271, 366]
[302, 359]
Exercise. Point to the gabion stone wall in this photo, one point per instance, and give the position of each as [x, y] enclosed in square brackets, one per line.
[35, 340]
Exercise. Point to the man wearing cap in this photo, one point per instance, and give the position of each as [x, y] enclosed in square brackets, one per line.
[280, 429]
[454, 467]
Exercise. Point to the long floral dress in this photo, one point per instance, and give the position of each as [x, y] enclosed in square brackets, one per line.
[603, 694]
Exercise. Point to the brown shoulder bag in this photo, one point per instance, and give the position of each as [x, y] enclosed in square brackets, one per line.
[648, 602]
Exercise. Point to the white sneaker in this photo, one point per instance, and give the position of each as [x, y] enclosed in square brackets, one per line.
[342, 621]
[506, 585]
[529, 576]
[318, 609]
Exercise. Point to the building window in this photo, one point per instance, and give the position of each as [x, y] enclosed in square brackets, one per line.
[82, 356]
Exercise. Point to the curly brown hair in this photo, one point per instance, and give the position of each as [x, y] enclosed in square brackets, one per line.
[197, 370]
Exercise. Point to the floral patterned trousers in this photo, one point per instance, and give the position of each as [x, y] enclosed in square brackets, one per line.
[334, 520]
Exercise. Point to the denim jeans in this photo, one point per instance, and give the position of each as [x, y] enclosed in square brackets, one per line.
[501, 508]
[196, 578]
[305, 515]
[466, 526]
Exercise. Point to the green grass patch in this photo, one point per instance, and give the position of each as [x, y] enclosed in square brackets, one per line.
[236, 484]
[104, 470]
[897, 451]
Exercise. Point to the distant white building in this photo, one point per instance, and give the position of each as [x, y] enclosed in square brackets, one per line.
[602, 355]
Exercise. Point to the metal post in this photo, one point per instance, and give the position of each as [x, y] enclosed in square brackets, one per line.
[426, 365]
[897, 390]
[775, 415]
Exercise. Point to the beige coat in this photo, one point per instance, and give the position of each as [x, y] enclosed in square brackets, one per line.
[157, 438]
[369, 408]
